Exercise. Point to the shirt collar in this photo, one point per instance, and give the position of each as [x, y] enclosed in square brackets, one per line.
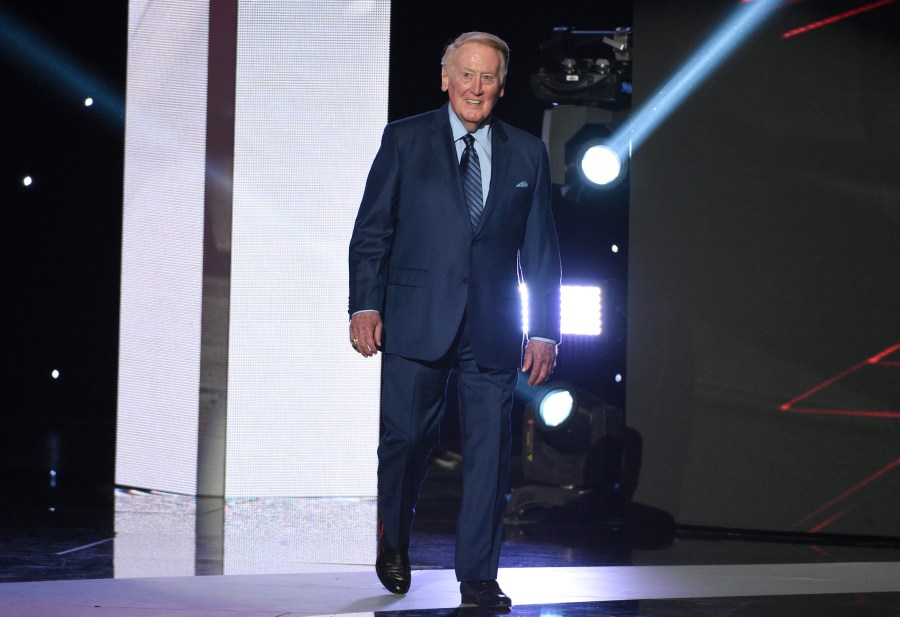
[482, 135]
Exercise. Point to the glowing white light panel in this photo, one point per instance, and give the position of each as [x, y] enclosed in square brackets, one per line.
[580, 309]
[162, 246]
[310, 109]
[311, 103]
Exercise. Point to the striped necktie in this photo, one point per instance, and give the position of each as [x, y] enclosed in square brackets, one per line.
[470, 170]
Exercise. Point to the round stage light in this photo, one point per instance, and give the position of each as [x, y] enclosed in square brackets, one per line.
[600, 164]
[556, 407]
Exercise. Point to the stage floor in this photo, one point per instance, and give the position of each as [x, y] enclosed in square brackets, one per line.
[107, 553]
[777, 589]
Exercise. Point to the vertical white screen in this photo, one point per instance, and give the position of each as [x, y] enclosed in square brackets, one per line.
[162, 246]
[310, 107]
[311, 102]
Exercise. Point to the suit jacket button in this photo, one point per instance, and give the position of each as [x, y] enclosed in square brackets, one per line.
[466, 280]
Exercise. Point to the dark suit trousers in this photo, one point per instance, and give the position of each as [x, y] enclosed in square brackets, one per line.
[413, 397]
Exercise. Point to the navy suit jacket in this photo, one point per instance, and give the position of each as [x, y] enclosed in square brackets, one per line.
[415, 257]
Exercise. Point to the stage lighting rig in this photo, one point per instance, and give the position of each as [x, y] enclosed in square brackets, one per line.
[568, 436]
[587, 67]
[579, 142]
[586, 77]
[572, 449]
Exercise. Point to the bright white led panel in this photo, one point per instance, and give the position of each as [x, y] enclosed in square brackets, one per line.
[311, 106]
[162, 246]
[301, 409]
[580, 309]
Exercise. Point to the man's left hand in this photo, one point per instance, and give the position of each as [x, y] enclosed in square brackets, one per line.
[540, 359]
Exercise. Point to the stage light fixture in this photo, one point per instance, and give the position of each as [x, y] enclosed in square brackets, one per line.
[599, 164]
[555, 408]
[585, 75]
[27, 181]
[582, 157]
[572, 439]
[591, 67]
[88, 102]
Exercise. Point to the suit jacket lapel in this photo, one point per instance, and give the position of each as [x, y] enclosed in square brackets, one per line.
[447, 161]
[499, 168]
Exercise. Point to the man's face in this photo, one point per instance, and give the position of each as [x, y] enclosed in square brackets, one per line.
[473, 82]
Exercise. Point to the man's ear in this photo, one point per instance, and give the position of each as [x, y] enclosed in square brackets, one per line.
[445, 79]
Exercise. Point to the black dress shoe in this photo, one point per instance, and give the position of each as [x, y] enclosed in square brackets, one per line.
[392, 568]
[486, 594]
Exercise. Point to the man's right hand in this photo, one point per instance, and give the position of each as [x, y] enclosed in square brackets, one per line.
[365, 328]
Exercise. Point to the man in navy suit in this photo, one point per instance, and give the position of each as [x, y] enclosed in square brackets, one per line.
[456, 212]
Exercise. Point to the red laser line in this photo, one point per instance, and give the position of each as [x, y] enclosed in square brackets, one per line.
[885, 354]
[849, 492]
[845, 412]
[834, 18]
[828, 521]
[787, 406]
[873, 360]
[820, 550]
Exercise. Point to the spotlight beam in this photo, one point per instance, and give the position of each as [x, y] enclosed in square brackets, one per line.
[706, 59]
[16, 40]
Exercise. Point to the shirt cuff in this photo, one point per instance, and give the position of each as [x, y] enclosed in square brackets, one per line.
[363, 311]
[542, 339]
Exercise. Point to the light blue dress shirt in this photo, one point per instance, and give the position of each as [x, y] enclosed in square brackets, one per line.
[482, 147]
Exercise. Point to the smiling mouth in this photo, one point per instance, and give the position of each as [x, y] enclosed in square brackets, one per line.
[471, 102]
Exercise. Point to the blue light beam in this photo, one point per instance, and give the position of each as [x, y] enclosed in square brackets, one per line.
[63, 72]
[702, 63]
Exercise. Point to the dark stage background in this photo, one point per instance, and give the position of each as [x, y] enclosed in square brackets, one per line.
[764, 259]
[762, 256]
[60, 244]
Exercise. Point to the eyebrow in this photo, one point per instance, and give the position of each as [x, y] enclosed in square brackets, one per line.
[468, 70]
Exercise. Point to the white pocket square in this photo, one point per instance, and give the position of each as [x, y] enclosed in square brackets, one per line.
[522, 185]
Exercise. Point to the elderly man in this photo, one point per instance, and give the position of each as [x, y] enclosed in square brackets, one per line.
[456, 212]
